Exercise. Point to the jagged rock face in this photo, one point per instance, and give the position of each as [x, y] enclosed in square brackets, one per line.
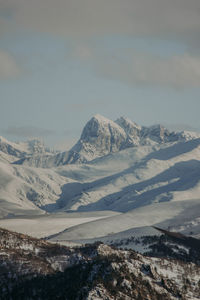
[133, 131]
[159, 134]
[100, 136]
[129, 127]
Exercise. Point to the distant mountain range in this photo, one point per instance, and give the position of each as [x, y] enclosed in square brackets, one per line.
[116, 166]
[13, 151]
[99, 137]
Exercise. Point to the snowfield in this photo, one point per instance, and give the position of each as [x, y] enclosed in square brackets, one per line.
[166, 215]
[42, 226]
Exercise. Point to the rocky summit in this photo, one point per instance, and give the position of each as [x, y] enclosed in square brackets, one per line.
[102, 136]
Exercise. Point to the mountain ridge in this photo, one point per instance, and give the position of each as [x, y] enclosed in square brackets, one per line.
[101, 136]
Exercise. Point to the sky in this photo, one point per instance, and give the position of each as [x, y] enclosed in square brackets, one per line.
[63, 61]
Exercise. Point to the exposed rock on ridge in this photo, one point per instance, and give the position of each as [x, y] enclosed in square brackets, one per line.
[102, 136]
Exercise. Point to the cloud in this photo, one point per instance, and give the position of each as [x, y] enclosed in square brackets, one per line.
[82, 19]
[180, 71]
[139, 68]
[103, 17]
[28, 131]
[8, 66]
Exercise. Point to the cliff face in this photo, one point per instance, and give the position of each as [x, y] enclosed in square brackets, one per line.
[102, 136]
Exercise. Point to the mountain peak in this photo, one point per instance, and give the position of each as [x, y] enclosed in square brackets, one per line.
[127, 124]
[102, 121]
[102, 136]
[99, 125]
[99, 137]
[100, 118]
[124, 119]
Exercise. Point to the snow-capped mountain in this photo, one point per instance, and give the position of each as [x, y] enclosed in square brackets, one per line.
[125, 166]
[101, 136]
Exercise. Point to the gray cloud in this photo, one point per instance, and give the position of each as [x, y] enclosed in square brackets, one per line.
[142, 68]
[180, 71]
[8, 66]
[79, 19]
[28, 131]
[177, 18]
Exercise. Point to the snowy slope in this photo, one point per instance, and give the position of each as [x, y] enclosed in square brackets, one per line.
[170, 173]
[133, 230]
[119, 181]
[40, 226]
[23, 188]
[153, 215]
[12, 149]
